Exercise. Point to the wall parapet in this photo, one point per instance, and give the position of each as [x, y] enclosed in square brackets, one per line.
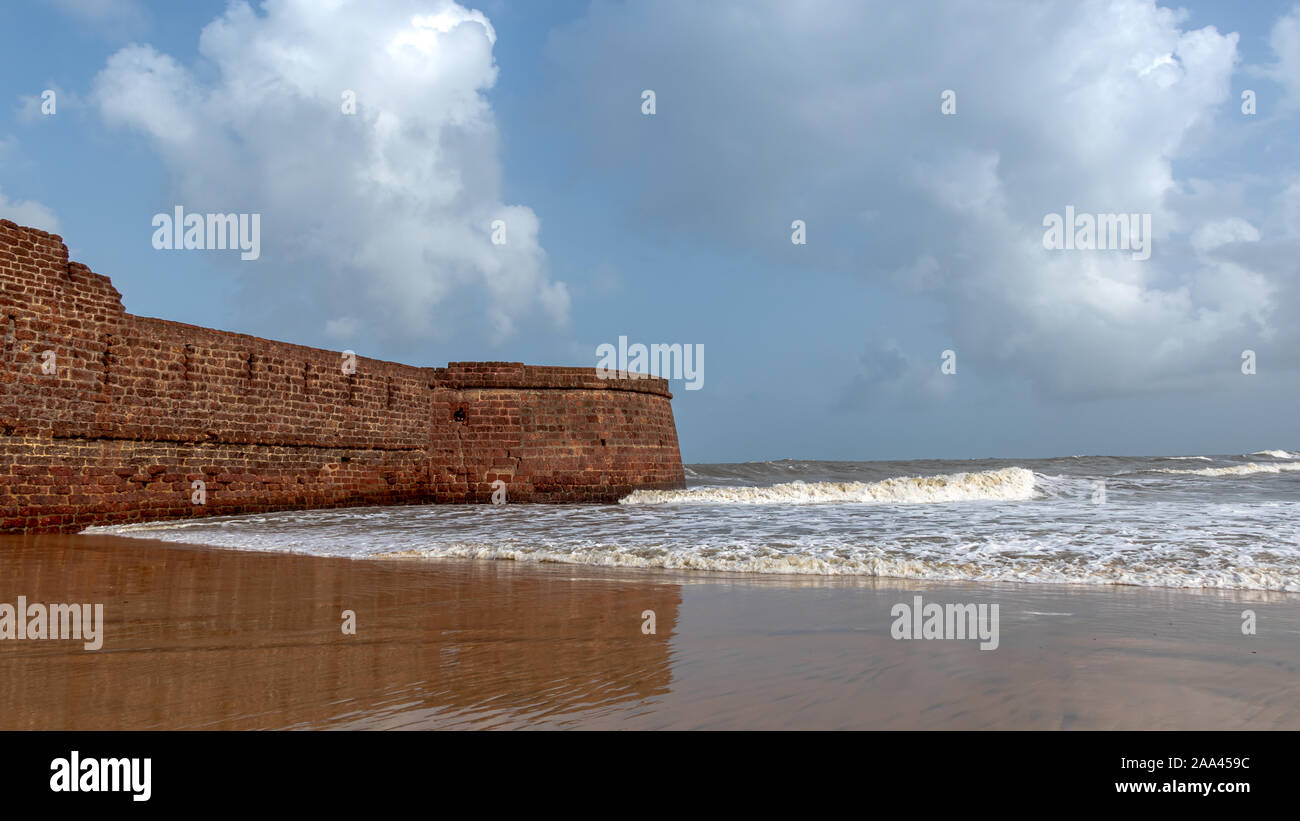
[462, 375]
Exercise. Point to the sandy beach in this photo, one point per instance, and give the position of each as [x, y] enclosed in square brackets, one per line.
[203, 638]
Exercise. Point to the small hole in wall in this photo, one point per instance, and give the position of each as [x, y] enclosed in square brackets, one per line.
[602, 443]
[459, 415]
[346, 459]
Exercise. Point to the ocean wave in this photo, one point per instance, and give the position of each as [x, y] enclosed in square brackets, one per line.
[1159, 530]
[1182, 458]
[1236, 470]
[1006, 484]
[1276, 454]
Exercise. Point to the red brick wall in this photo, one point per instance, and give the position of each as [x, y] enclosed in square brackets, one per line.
[139, 408]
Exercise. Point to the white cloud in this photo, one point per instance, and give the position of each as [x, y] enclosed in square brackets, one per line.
[384, 215]
[1088, 104]
[344, 327]
[1288, 201]
[1284, 39]
[29, 213]
[1215, 234]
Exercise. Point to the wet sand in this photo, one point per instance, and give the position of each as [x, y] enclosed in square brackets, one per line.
[201, 638]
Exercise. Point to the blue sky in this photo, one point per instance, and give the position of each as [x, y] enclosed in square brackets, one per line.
[923, 229]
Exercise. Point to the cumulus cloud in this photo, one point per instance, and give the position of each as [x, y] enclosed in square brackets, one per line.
[383, 218]
[1213, 235]
[833, 109]
[1284, 39]
[29, 213]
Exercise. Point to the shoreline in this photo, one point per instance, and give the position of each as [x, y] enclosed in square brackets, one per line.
[198, 637]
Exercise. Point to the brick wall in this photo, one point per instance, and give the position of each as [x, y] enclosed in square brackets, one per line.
[136, 409]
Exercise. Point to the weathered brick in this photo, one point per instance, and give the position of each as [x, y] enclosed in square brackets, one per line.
[139, 408]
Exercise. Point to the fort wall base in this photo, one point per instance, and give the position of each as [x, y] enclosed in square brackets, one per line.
[109, 418]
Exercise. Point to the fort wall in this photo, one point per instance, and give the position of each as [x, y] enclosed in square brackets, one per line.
[108, 418]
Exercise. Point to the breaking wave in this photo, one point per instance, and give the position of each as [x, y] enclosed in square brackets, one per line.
[1006, 484]
[1237, 470]
[1156, 524]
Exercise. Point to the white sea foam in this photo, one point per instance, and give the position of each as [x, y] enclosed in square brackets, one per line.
[1276, 454]
[1237, 470]
[1182, 458]
[1155, 529]
[1007, 484]
[742, 558]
